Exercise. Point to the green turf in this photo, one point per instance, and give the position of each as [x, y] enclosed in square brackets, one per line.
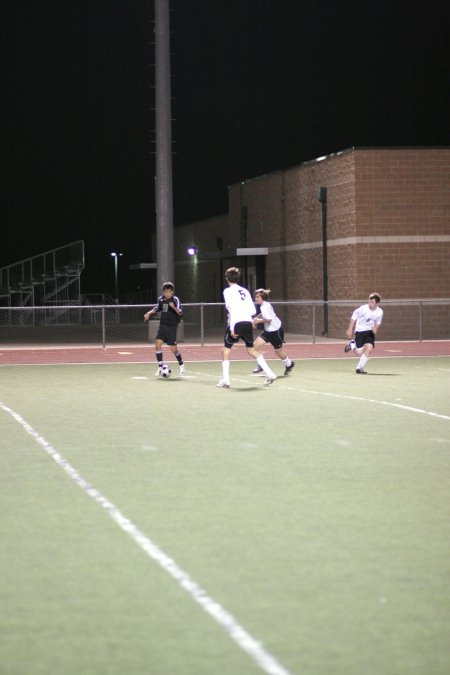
[319, 518]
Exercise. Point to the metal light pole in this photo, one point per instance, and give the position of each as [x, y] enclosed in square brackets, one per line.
[163, 116]
[116, 275]
[321, 194]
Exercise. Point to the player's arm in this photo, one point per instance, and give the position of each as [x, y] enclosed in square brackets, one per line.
[375, 328]
[261, 319]
[258, 319]
[350, 328]
[152, 311]
[175, 305]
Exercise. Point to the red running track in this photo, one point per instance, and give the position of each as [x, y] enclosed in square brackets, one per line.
[144, 354]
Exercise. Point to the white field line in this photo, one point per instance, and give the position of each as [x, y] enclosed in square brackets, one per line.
[370, 400]
[235, 631]
[278, 385]
[218, 360]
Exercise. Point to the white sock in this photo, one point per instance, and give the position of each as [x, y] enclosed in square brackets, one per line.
[226, 370]
[362, 361]
[287, 361]
[262, 362]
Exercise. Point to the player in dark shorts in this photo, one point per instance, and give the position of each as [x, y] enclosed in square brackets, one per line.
[273, 332]
[365, 321]
[169, 307]
[240, 308]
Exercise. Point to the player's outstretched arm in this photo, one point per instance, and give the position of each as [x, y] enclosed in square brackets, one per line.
[349, 331]
[148, 314]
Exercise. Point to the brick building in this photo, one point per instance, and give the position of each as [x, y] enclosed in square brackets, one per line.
[387, 228]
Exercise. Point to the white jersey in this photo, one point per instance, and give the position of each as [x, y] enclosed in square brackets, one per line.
[239, 304]
[366, 318]
[268, 312]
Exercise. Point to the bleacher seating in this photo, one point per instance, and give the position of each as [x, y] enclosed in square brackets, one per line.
[50, 278]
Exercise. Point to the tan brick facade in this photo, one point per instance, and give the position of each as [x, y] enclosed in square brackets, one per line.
[388, 229]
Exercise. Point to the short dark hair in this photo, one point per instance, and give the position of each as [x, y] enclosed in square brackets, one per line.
[376, 297]
[168, 286]
[232, 275]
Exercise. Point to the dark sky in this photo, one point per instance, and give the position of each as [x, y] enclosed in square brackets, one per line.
[258, 85]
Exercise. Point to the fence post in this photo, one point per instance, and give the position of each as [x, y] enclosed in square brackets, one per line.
[420, 320]
[314, 323]
[202, 327]
[103, 329]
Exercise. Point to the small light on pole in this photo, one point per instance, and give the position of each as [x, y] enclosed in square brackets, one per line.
[116, 275]
[192, 250]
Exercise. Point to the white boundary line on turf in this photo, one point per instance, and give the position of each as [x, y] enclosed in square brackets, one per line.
[235, 631]
[218, 360]
[370, 400]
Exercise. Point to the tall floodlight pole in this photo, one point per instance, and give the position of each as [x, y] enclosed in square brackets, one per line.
[163, 178]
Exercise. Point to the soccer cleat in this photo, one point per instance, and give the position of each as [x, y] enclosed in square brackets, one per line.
[351, 345]
[258, 369]
[158, 372]
[181, 369]
[360, 371]
[269, 381]
[224, 384]
[288, 369]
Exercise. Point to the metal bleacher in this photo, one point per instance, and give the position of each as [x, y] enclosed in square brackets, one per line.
[50, 278]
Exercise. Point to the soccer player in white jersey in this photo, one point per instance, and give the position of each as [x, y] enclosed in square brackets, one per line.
[273, 332]
[240, 308]
[366, 321]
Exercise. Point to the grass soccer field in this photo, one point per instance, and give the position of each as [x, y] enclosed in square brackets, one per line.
[174, 528]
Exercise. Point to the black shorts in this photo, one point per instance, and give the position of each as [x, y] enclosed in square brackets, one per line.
[274, 337]
[168, 334]
[243, 330]
[365, 337]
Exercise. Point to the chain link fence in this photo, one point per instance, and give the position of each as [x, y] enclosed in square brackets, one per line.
[205, 323]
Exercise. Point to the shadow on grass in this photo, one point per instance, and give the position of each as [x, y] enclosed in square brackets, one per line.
[384, 374]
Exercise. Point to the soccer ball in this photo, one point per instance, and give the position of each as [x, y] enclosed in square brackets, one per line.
[165, 371]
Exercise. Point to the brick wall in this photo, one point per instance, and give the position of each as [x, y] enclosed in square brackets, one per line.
[388, 228]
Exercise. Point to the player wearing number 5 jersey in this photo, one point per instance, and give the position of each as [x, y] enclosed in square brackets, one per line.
[240, 308]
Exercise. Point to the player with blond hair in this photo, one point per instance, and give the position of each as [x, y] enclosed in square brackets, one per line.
[273, 332]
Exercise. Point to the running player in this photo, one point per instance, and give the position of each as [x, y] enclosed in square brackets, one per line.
[366, 321]
[273, 332]
[240, 308]
[171, 312]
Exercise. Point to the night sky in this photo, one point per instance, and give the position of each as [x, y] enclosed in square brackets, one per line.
[258, 85]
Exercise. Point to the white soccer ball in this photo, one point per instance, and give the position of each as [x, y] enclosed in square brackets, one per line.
[165, 371]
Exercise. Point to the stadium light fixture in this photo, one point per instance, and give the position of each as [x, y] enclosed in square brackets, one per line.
[192, 250]
[116, 257]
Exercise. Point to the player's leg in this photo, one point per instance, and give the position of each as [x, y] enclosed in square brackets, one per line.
[356, 346]
[366, 351]
[261, 361]
[179, 358]
[245, 331]
[159, 354]
[288, 364]
[225, 379]
[228, 343]
[276, 340]
[259, 345]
